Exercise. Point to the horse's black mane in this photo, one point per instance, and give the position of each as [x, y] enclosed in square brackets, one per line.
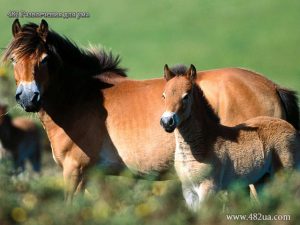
[98, 61]
[92, 61]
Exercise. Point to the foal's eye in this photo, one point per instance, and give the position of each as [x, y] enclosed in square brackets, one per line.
[163, 96]
[185, 98]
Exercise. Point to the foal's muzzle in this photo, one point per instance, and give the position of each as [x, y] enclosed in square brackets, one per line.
[28, 96]
[169, 121]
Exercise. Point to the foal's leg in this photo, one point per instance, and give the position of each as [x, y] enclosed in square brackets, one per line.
[191, 197]
[194, 195]
[206, 189]
[253, 193]
[287, 150]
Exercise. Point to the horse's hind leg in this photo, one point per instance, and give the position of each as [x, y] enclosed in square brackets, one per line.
[287, 153]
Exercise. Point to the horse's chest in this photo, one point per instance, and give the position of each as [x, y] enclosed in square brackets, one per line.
[192, 171]
[188, 168]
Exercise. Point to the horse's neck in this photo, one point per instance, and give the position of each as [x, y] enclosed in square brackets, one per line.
[68, 117]
[189, 140]
[72, 126]
[194, 137]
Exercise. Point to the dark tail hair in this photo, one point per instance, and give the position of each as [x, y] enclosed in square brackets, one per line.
[289, 102]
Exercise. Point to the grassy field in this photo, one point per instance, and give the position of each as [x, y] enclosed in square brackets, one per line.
[260, 35]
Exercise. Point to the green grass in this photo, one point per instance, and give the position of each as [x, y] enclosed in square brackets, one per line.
[259, 35]
[117, 201]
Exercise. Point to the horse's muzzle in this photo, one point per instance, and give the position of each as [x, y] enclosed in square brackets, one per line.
[168, 121]
[28, 96]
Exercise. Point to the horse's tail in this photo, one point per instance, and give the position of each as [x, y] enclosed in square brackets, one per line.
[289, 102]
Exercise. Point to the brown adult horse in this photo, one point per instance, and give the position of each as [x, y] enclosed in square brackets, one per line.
[21, 139]
[210, 156]
[93, 114]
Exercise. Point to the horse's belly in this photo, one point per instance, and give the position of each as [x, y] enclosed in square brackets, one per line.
[144, 154]
[136, 152]
[109, 160]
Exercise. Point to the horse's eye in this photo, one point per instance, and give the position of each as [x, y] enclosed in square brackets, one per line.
[185, 98]
[163, 96]
[44, 60]
[12, 59]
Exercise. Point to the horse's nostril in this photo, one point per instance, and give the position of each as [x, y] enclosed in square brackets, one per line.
[18, 96]
[171, 122]
[19, 92]
[167, 122]
[36, 97]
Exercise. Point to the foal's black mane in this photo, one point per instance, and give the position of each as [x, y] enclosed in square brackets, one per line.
[210, 112]
[88, 62]
[180, 70]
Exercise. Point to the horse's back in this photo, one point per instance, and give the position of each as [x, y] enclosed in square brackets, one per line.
[237, 95]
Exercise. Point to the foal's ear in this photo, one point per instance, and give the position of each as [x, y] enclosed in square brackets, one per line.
[168, 74]
[191, 73]
[43, 30]
[16, 27]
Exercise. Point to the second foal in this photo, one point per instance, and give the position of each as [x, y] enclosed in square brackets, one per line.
[210, 156]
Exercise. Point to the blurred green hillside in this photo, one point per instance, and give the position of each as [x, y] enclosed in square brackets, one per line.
[260, 35]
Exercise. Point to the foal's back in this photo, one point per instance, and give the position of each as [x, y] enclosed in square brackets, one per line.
[280, 136]
[260, 145]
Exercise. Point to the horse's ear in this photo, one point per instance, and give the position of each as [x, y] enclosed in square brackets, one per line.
[168, 74]
[43, 30]
[16, 27]
[191, 73]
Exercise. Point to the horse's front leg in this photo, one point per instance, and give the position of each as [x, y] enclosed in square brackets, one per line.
[73, 178]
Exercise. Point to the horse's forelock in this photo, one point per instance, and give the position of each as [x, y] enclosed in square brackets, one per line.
[26, 43]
